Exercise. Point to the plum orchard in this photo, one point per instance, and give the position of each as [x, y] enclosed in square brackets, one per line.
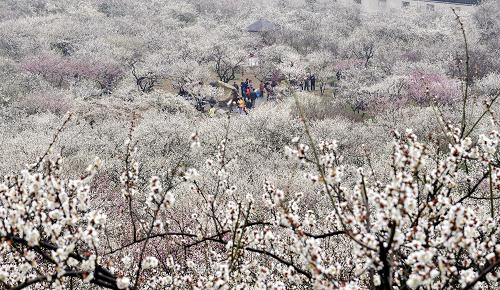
[417, 228]
[245, 206]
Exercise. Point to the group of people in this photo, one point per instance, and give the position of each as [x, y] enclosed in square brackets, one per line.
[308, 83]
[249, 94]
[245, 95]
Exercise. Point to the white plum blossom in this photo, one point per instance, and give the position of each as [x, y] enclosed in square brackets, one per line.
[123, 283]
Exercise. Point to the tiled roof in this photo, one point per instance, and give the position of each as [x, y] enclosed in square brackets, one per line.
[262, 25]
[460, 2]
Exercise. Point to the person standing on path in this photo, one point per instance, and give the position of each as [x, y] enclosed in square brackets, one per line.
[261, 88]
[253, 97]
[243, 88]
[313, 83]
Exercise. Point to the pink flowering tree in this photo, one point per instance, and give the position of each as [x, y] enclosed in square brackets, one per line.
[61, 70]
[424, 88]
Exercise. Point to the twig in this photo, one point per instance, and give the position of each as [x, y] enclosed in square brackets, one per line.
[492, 203]
[467, 74]
[51, 145]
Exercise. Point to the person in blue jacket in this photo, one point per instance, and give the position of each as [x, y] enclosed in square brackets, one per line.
[244, 86]
[253, 97]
